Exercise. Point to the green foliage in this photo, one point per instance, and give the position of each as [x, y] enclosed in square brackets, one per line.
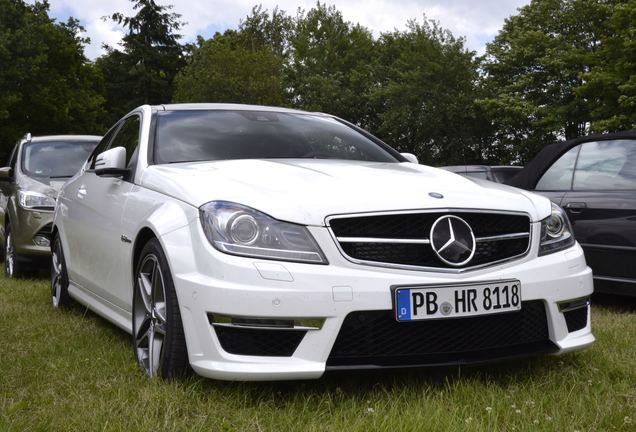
[533, 71]
[144, 70]
[47, 86]
[244, 66]
[331, 65]
[425, 99]
[611, 85]
[220, 72]
[261, 30]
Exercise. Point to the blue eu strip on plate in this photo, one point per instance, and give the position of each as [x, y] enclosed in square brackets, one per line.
[403, 304]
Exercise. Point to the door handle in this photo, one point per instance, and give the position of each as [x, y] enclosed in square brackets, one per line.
[576, 207]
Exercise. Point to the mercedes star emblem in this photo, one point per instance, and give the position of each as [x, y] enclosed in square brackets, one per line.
[453, 240]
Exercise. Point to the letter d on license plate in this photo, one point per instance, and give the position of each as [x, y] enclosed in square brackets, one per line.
[449, 301]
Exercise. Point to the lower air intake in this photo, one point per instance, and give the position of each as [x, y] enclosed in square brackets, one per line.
[259, 342]
[576, 319]
[376, 339]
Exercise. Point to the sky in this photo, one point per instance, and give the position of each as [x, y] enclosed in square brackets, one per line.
[476, 20]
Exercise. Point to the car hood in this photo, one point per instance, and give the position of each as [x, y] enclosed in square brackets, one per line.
[306, 191]
[43, 185]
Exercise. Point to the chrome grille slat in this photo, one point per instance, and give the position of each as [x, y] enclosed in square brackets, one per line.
[511, 236]
[381, 240]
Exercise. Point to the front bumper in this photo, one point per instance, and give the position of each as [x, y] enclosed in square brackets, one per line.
[26, 225]
[209, 282]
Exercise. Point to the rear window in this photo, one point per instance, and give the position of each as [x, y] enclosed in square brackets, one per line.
[185, 136]
[55, 159]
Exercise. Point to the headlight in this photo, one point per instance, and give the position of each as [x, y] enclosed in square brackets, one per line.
[35, 201]
[556, 232]
[239, 230]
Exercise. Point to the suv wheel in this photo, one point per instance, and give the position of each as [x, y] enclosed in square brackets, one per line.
[13, 268]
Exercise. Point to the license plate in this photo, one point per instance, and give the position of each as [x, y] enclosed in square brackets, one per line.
[451, 301]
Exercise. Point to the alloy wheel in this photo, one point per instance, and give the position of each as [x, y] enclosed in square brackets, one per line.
[150, 314]
[56, 276]
[9, 255]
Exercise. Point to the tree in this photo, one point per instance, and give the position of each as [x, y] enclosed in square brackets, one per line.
[142, 72]
[262, 30]
[331, 65]
[610, 86]
[425, 93]
[223, 70]
[47, 85]
[239, 66]
[533, 71]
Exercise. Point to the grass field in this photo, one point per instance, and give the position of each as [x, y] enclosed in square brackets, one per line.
[74, 371]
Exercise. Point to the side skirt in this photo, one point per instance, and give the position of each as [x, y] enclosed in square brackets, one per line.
[107, 310]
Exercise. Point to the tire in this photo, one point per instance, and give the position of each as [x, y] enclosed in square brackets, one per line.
[158, 338]
[14, 267]
[60, 298]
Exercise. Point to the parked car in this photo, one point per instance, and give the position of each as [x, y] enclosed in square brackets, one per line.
[594, 179]
[37, 168]
[259, 243]
[499, 173]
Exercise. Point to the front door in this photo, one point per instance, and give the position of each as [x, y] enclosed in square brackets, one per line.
[96, 215]
[602, 209]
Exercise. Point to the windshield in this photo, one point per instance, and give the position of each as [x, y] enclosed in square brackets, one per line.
[184, 136]
[55, 158]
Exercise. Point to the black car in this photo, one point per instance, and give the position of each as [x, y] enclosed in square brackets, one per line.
[594, 179]
[499, 174]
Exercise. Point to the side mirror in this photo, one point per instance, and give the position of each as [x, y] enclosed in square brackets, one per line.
[410, 157]
[6, 174]
[111, 163]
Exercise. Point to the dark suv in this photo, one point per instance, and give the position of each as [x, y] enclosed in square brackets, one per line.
[594, 179]
[36, 170]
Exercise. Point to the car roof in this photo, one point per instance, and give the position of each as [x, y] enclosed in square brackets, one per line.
[534, 170]
[228, 106]
[66, 138]
[465, 167]
[480, 167]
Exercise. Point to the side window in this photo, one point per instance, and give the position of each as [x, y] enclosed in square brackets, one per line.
[101, 147]
[606, 165]
[128, 137]
[559, 175]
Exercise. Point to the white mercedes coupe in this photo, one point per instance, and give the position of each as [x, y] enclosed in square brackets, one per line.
[259, 243]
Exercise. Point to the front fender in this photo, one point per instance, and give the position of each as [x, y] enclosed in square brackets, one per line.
[150, 214]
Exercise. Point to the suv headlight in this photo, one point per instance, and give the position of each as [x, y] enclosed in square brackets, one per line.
[239, 230]
[556, 232]
[35, 201]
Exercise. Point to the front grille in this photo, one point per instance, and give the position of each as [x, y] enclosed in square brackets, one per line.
[259, 342]
[376, 339]
[403, 239]
[576, 319]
